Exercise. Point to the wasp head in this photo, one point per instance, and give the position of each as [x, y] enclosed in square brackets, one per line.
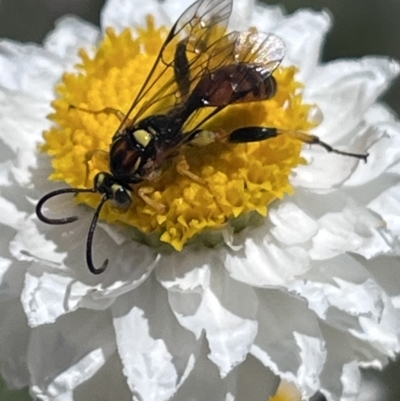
[106, 184]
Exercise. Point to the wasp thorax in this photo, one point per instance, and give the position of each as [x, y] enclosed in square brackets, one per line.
[126, 154]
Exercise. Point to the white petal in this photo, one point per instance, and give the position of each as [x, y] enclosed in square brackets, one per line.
[141, 355]
[10, 216]
[29, 244]
[355, 229]
[203, 297]
[23, 121]
[304, 33]
[341, 377]
[10, 283]
[47, 296]
[387, 273]
[155, 363]
[242, 10]
[5, 169]
[37, 72]
[174, 9]
[313, 356]
[121, 14]
[61, 356]
[228, 335]
[205, 384]
[14, 337]
[387, 205]
[11, 272]
[344, 90]
[351, 380]
[265, 19]
[28, 90]
[239, 19]
[380, 113]
[312, 286]
[262, 263]
[383, 153]
[18, 119]
[11, 278]
[51, 292]
[323, 171]
[342, 292]
[70, 35]
[384, 333]
[288, 340]
[291, 225]
[107, 384]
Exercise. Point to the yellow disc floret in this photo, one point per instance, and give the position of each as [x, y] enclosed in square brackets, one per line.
[234, 179]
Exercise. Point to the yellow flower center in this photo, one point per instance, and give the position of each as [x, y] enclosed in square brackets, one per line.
[236, 178]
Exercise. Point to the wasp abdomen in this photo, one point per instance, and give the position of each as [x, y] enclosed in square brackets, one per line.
[235, 83]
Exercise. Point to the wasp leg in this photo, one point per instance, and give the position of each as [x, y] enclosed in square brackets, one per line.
[203, 138]
[255, 134]
[193, 45]
[183, 168]
[143, 192]
[181, 69]
[107, 110]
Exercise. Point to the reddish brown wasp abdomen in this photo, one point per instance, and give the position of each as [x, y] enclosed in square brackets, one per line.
[236, 83]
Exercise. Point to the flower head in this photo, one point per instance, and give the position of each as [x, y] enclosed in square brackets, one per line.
[223, 181]
[307, 293]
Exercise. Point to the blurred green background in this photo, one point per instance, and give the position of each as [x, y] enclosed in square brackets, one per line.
[362, 27]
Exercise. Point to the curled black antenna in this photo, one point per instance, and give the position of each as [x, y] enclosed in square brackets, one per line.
[52, 194]
[89, 259]
[66, 220]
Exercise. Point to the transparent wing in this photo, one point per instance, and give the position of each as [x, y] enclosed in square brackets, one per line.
[168, 81]
[263, 49]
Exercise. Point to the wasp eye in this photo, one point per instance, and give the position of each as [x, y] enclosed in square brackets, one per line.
[121, 196]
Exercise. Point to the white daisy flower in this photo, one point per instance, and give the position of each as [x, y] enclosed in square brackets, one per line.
[308, 291]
